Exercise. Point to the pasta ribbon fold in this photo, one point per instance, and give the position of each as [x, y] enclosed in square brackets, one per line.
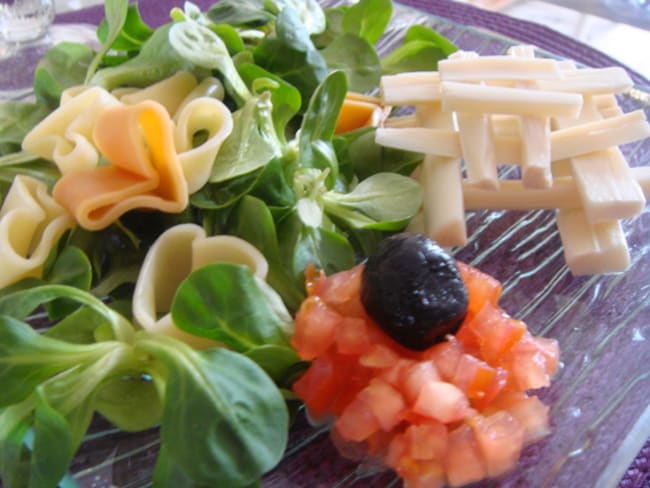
[175, 254]
[31, 223]
[65, 136]
[201, 115]
[145, 171]
[145, 146]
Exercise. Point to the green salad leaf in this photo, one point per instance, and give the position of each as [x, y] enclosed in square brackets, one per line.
[241, 324]
[116, 14]
[368, 19]
[16, 120]
[252, 143]
[132, 35]
[63, 66]
[291, 55]
[240, 13]
[357, 59]
[156, 60]
[248, 419]
[205, 49]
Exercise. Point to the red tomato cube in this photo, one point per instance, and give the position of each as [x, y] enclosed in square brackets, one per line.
[464, 463]
[500, 439]
[442, 401]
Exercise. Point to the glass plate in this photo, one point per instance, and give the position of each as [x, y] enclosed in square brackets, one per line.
[18, 64]
[599, 399]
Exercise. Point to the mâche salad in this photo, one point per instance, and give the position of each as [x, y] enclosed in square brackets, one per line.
[229, 215]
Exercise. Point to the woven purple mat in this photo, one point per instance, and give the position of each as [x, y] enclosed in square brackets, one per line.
[156, 12]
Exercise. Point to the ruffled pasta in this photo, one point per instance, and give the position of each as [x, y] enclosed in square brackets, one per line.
[201, 115]
[65, 136]
[170, 92]
[75, 140]
[145, 171]
[31, 223]
[195, 108]
[188, 248]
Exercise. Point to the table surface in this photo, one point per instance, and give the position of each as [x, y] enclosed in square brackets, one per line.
[578, 24]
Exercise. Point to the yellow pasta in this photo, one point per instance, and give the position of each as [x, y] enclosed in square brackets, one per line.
[146, 145]
[210, 87]
[187, 246]
[31, 223]
[145, 171]
[65, 136]
[170, 92]
[201, 114]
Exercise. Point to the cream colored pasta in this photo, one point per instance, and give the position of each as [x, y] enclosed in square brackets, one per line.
[201, 114]
[174, 255]
[145, 171]
[210, 87]
[65, 136]
[169, 92]
[31, 223]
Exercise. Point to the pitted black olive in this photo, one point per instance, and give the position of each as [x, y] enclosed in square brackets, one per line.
[412, 288]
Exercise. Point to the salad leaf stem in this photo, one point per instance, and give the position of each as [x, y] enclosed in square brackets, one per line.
[21, 303]
[116, 11]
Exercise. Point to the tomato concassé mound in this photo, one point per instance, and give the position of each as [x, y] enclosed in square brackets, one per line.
[454, 413]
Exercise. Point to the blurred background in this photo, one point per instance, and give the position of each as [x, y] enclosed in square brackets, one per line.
[619, 28]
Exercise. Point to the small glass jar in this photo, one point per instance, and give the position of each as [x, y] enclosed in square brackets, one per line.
[23, 21]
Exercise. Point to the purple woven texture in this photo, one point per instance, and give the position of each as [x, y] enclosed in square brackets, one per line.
[156, 13]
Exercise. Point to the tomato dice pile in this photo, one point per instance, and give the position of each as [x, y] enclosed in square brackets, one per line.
[452, 414]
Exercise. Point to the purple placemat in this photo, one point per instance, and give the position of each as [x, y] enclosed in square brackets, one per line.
[156, 12]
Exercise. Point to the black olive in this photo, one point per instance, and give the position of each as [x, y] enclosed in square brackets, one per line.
[412, 288]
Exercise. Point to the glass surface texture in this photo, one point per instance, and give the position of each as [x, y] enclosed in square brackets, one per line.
[25, 20]
[599, 399]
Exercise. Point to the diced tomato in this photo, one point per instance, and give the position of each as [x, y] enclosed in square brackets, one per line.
[529, 411]
[317, 386]
[385, 402]
[495, 331]
[427, 441]
[397, 451]
[314, 280]
[550, 349]
[352, 336]
[500, 439]
[357, 422]
[481, 287]
[446, 356]
[456, 412]
[464, 463]
[473, 376]
[466, 336]
[378, 443]
[379, 357]
[342, 292]
[353, 379]
[418, 375]
[499, 384]
[397, 372]
[532, 362]
[423, 474]
[315, 328]
[330, 383]
[442, 401]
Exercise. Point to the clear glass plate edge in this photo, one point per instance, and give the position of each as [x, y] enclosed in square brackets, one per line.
[641, 430]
